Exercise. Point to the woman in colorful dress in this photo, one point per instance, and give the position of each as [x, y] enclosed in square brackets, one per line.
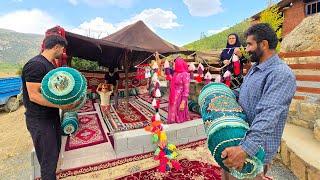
[179, 92]
[231, 62]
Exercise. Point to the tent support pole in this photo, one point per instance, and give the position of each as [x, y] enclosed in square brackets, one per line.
[126, 68]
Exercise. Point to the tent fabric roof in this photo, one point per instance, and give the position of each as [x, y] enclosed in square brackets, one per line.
[137, 40]
[105, 52]
[139, 35]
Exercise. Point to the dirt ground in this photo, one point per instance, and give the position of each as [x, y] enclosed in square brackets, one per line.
[15, 146]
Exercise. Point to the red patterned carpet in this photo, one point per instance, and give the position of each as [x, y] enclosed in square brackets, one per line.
[190, 169]
[192, 115]
[90, 133]
[134, 118]
[148, 99]
[196, 162]
[87, 107]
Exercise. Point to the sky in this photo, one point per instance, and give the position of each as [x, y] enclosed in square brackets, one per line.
[177, 21]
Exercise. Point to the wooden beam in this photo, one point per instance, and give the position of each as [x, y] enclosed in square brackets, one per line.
[308, 90]
[315, 66]
[299, 54]
[126, 68]
[300, 97]
[314, 78]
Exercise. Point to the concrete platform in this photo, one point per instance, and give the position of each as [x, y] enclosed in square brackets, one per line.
[126, 143]
[139, 141]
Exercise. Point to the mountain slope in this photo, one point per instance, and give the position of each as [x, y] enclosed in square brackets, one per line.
[219, 40]
[17, 48]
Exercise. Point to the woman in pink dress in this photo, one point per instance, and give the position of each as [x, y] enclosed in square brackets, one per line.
[179, 92]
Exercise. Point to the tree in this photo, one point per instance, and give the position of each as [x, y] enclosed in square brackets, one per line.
[82, 64]
[202, 35]
[274, 17]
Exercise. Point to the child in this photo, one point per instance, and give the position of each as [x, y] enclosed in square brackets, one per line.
[105, 92]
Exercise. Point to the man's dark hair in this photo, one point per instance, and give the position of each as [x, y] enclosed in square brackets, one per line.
[52, 40]
[263, 31]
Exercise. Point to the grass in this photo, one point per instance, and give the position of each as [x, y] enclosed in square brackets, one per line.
[219, 40]
[9, 70]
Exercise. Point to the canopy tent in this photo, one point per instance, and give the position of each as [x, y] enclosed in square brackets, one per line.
[102, 51]
[139, 35]
[127, 47]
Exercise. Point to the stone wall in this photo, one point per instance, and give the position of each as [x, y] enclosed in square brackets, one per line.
[302, 169]
[304, 37]
[305, 114]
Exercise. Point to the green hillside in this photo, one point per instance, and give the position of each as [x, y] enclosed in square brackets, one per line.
[18, 48]
[218, 41]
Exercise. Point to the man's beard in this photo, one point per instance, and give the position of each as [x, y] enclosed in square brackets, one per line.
[256, 55]
[57, 56]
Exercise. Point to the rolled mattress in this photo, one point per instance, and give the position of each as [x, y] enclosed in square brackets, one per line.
[225, 126]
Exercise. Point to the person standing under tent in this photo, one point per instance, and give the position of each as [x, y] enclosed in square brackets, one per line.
[112, 77]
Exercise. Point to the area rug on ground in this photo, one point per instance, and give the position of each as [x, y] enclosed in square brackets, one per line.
[195, 159]
[148, 99]
[190, 169]
[192, 115]
[87, 107]
[139, 115]
[119, 119]
[90, 133]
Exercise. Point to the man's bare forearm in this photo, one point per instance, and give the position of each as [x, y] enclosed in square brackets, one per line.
[38, 98]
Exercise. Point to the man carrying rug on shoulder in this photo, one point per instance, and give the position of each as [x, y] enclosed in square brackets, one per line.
[265, 97]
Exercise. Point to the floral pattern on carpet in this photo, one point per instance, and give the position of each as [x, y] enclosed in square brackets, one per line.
[147, 98]
[192, 115]
[120, 119]
[87, 107]
[90, 133]
[189, 170]
[195, 159]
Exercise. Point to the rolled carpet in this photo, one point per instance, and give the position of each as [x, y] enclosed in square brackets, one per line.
[69, 123]
[193, 106]
[64, 86]
[225, 126]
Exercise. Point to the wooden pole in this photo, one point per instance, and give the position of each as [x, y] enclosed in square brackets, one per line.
[126, 68]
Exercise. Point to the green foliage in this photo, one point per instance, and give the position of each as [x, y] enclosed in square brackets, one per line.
[244, 52]
[274, 17]
[19, 70]
[82, 64]
[10, 68]
[219, 40]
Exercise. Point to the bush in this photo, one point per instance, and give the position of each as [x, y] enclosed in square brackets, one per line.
[82, 64]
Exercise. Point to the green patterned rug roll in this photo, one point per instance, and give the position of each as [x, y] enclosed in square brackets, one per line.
[193, 106]
[69, 123]
[63, 86]
[225, 126]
